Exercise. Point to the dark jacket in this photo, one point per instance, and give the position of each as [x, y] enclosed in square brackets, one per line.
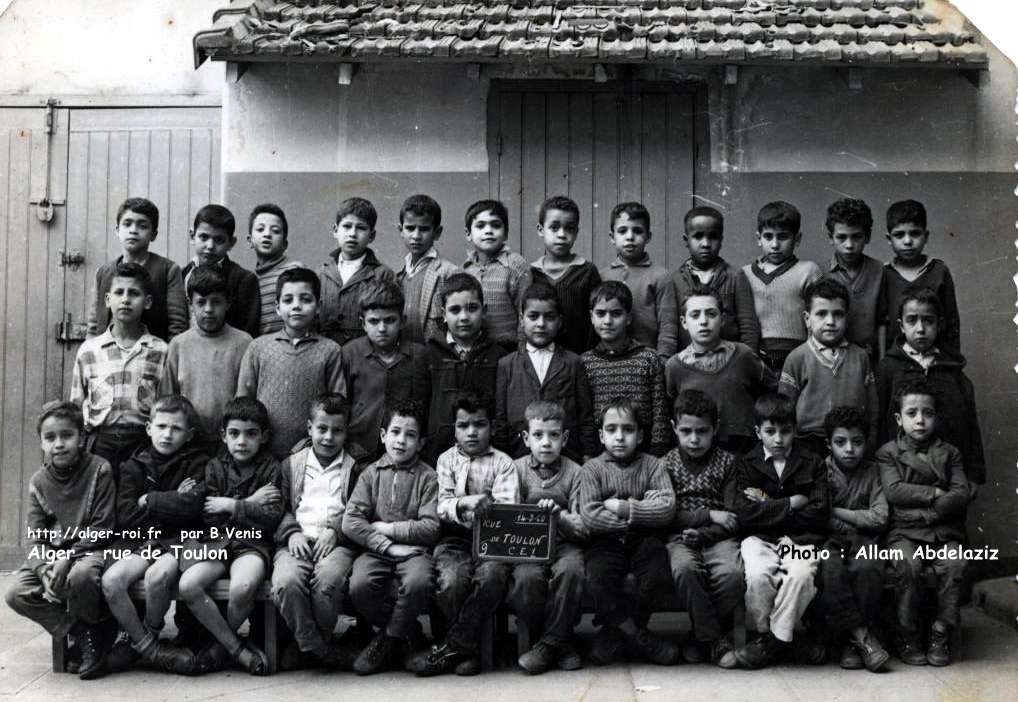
[340, 312]
[804, 474]
[245, 296]
[739, 322]
[957, 421]
[167, 316]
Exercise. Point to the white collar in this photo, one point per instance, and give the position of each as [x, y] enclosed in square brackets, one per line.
[313, 461]
[549, 349]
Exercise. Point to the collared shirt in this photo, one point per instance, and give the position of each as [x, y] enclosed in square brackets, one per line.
[541, 358]
[779, 462]
[322, 496]
[348, 268]
[412, 269]
[704, 276]
[195, 262]
[828, 355]
[710, 360]
[115, 385]
[923, 359]
[461, 350]
[539, 264]
[460, 475]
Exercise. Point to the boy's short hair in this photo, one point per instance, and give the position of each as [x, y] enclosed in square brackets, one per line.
[906, 212]
[701, 290]
[269, 208]
[779, 214]
[703, 212]
[852, 213]
[558, 202]
[774, 408]
[545, 411]
[484, 206]
[695, 403]
[382, 295]
[246, 409]
[422, 206]
[471, 401]
[177, 403]
[915, 386]
[608, 290]
[406, 408]
[826, 288]
[134, 271]
[921, 294]
[299, 275]
[331, 403]
[621, 405]
[218, 217]
[460, 282]
[143, 206]
[541, 292]
[845, 417]
[360, 208]
[633, 210]
[206, 280]
[61, 409]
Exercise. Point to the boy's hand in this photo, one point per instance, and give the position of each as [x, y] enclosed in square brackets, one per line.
[143, 501]
[188, 485]
[755, 494]
[692, 538]
[614, 505]
[58, 575]
[572, 521]
[265, 496]
[938, 492]
[326, 542]
[483, 505]
[401, 551]
[797, 502]
[549, 506]
[722, 518]
[383, 528]
[298, 546]
[219, 505]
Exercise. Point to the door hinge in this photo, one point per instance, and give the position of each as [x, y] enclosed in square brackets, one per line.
[69, 331]
[72, 259]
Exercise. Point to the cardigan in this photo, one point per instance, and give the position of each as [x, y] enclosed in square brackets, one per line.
[340, 311]
[245, 296]
[168, 314]
[429, 318]
[573, 288]
[738, 322]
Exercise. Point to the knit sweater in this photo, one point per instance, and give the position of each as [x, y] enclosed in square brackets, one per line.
[637, 374]
[203, 368]
[777, 298]
[340, 311]
[655, 317]
[642, 484]
[937, 277]
[702, 485]
[245, 299]
[286, 378]
[72, 509]
[573, 288]
[734, 387]
[167, 316]
[739, 322]
[562, 487]
[503, 280]
[423, 315]
[157, 477]
[268, 273]
[818, 386]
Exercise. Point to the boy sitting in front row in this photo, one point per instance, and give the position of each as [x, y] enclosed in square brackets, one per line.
[926, 486]
[782, 502]
[827, 370]
[158, 494]
[71, 514]
[626, 502]
[393, 515]
[542, 370]
[471, 476]
[703, 551]
[548, 596]
[313, 559]
[852, 585]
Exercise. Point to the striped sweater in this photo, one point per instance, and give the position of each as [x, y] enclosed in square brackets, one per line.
[642, 483]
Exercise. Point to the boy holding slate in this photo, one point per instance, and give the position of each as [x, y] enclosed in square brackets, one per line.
[547, 596]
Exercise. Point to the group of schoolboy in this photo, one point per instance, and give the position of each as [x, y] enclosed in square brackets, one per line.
[339, 433]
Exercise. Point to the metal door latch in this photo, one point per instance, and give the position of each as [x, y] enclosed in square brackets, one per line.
[72, 258]
[69, 330]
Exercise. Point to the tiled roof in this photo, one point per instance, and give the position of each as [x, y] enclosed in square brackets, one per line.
[829, 32]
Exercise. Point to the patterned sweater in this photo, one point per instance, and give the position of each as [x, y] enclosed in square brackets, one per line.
[635, 373]
[701, 486]
[643, 486]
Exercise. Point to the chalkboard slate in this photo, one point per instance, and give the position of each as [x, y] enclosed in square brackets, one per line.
[515, 534]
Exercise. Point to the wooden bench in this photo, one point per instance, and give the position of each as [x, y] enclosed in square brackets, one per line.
[218, 591]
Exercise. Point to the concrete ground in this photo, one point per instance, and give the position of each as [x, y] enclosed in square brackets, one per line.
[987, 673]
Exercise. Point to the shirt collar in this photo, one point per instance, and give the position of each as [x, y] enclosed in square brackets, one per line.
[386, 462]
[487, 452]
[313, 461]
[217, 264]
[410, 268]
[536, 465]
[281, 335]
[549, 349]
[501, 256]
[577, 261]
[908, 349]
[642, 263]
[263, 266]
[107, 338]
[770, 456]
[820, 348]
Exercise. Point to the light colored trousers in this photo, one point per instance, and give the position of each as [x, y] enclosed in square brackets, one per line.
[779, 587]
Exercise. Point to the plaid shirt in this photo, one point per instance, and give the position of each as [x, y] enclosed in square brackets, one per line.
[114, 385]
[460, 475]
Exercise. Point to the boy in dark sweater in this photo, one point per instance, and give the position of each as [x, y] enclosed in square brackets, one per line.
[158, 495]
[852, 577]
[728, 371]
[702, 548]
[782, 503]
[137, 226]
[542, 370]
[212, 237]
[907, 234]
[924, 479]
[703, 236]
[460, 358]
[548, 597]
[71, 517]
[393, 516]
[917, 354]
[620, 366]
[626, 502]
[572, 276]
[827, 370]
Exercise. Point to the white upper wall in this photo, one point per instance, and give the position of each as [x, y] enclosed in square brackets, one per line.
[105, 47]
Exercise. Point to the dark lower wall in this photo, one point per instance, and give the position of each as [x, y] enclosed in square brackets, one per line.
[972, 218]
